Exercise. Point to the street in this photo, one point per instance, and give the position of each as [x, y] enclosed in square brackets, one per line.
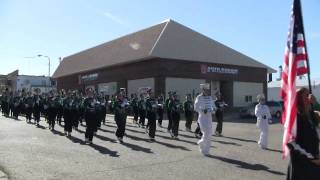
[28, 152]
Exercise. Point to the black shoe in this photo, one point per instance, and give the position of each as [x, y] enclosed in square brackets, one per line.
[120, 140]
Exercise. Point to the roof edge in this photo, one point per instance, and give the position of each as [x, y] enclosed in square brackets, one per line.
[155, 44]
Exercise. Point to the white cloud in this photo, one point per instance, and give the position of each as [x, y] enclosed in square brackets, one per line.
[114, 18]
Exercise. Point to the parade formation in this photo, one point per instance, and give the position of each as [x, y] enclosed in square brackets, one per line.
[90, 109]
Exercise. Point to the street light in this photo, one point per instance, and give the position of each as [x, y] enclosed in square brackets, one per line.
[40, 55]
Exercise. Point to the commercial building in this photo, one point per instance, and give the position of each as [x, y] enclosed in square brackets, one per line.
[16, 82]
[166, 57]
[274, 88]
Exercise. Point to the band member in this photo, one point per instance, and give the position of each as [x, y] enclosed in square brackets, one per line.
[44, 106]
[5, 103]
[52, 110]
[76, 110]
[205, 107]
[67, 113]
[60, 99]
[11, 104]
[220, 105]
[142, 110]
[175, 108]
[263, 115]
[135, 108]
[28, 106]
[101, 110]
[151, 107]
[304, 149]
[160, 109]
[16, 105]
[120, 115]
[103, 105]
[90, 115]
[188, 112]
[168, 100]
[37, 106]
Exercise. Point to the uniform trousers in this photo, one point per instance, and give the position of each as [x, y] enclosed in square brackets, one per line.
[91, 122]
[175, 120]
[152, 124]
[121, 124]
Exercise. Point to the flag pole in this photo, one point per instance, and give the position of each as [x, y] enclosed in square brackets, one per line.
[305, 45]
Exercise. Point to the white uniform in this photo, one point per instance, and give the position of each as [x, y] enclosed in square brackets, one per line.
[201, 104]
[263, 115]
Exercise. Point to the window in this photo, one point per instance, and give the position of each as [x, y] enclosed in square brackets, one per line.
[248, 99]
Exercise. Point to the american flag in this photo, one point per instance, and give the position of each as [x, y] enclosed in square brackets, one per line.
[295, 64]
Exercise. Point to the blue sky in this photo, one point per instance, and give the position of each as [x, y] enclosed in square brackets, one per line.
[59, 28]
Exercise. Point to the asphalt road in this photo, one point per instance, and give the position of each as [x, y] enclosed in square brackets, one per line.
[27, 152]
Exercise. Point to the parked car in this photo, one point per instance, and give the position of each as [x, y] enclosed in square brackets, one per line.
[274, 106]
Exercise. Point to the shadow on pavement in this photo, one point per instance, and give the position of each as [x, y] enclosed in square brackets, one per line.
[58, 132]
[80, 131]
[137, 148]
[105, 138]
[172, 146]
[41, 127]
[227, 143]
[244, 165]
[181, 140]
[104, 150]
[101, 149]
[76, 140]
[274, 150]
[107, 131]
[240, 139]
[159, 142]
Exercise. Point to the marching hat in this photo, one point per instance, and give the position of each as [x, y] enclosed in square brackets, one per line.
[260, 97]
[205, 86]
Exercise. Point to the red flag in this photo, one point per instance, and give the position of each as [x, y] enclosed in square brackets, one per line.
[295, 64]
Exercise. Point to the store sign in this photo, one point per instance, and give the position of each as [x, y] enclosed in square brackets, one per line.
[88, 77]
[221, 70]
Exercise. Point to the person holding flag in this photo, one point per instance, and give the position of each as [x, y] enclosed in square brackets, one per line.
[305, 162]
[300, 138]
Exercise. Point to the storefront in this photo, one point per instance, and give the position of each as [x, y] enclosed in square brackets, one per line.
[166, 57]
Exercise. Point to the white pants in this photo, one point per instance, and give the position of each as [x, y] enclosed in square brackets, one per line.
[263, 125]
[205, 122]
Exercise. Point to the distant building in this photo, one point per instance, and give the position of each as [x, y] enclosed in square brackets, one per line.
[274, 88]
[16, 82]
[166, 57]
